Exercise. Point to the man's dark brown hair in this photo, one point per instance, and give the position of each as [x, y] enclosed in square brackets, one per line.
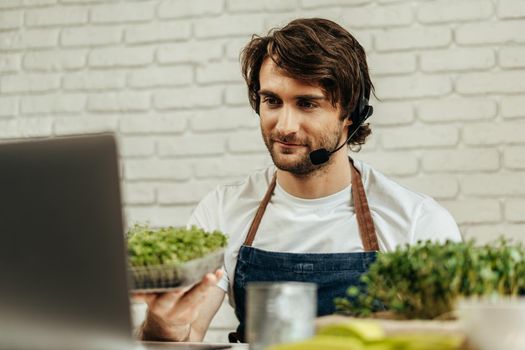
[315, 51]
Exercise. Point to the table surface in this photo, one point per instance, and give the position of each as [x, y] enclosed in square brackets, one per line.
[190, 345]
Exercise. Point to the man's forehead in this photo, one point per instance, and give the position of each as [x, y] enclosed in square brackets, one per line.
[275, 79]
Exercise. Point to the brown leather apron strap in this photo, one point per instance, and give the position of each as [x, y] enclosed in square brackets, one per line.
[364, 217]
[260, 212]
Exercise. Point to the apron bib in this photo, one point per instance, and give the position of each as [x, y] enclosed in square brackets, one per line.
[332, 272]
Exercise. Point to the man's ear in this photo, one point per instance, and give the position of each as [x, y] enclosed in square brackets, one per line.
[348, 121]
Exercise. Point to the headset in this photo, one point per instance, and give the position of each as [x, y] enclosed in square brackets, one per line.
[359, 115]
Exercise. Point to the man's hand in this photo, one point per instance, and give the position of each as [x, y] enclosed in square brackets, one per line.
[170, 315]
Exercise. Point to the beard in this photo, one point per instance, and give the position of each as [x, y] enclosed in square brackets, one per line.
[297, 161]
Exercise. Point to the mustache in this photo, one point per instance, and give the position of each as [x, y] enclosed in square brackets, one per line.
[289, 138]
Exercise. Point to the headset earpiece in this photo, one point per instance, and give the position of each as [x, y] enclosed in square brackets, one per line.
[363, 110]
[358, 116]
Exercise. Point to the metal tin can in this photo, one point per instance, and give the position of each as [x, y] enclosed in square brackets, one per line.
[280, 312]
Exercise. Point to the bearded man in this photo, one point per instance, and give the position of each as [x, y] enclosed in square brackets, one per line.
[316, 215]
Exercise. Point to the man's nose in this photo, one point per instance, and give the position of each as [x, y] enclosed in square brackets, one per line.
[287, 122]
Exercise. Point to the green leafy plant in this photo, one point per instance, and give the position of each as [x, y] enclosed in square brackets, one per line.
[170, 245]
[425, 280]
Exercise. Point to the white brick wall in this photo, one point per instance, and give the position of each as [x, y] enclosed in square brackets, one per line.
[164, 75]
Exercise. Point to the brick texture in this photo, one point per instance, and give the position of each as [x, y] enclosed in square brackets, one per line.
[55, 60]
[511, 9]
[410, 39]
[483, 133]
[90, 36]
[229, 25]
[513, 106]
[379, 16]
[454, 11]
[164, 75]
[143, 124]
[182, 8]
[393, 63]
[457, 60]
[120, 57]
[151, 33]
[494, 185]
[119, 102]
[123, 12]
[495, 82]
[413, 86]
[439, 186]
[393, 113]
[173, 194]
[515, 210]
[475, 211]
[138, 194]
[391, 163]
[200, 52]
[224, 119]
[26, 83]
[219, 73]
[161, 77]
[28, 39]
[98, 80]
[512, 57]
[181, 146]
[464, 160]
[11, 19]
[8, 106]
[56, 16]
[491, 32]
[246, 142]
[9, 63]
[66, 103]
[75, 125]
[27, 127]
[137, 147]
[452, 109]
[514, 157]
[420, 136]
[188, 97]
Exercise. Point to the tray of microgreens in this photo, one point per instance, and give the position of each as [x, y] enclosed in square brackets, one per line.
[426, 280]
[162, 259]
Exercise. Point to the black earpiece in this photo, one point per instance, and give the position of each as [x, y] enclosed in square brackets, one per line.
[359, 115]
[363, 110]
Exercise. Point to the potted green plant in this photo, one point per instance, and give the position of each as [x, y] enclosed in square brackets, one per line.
[425, 280]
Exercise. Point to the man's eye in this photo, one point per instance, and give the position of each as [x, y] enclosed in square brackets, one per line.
[306, 104]
[271, 100]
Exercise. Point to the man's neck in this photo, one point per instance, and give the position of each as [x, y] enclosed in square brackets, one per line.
[326, 181]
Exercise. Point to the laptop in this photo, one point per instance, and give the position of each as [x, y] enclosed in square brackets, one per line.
[63, 267]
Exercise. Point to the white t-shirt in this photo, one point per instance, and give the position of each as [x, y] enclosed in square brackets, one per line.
[321, 225]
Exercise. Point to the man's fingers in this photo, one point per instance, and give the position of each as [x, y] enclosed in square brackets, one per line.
[138, 297]
[189, 305]
[198, 292]
[147, 298]
[166, 301]
[218, 274]
[180, 300]
[150, 299]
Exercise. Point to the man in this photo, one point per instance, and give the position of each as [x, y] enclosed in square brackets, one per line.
[316, 215]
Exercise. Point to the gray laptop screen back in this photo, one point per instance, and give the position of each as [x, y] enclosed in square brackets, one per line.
[62, 256]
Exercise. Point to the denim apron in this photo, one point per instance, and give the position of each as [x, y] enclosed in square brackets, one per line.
[332, 272]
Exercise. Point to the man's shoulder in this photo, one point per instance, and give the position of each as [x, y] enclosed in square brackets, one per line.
[229, 201]
[253, 185]
[395, 203]
[380, 187]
